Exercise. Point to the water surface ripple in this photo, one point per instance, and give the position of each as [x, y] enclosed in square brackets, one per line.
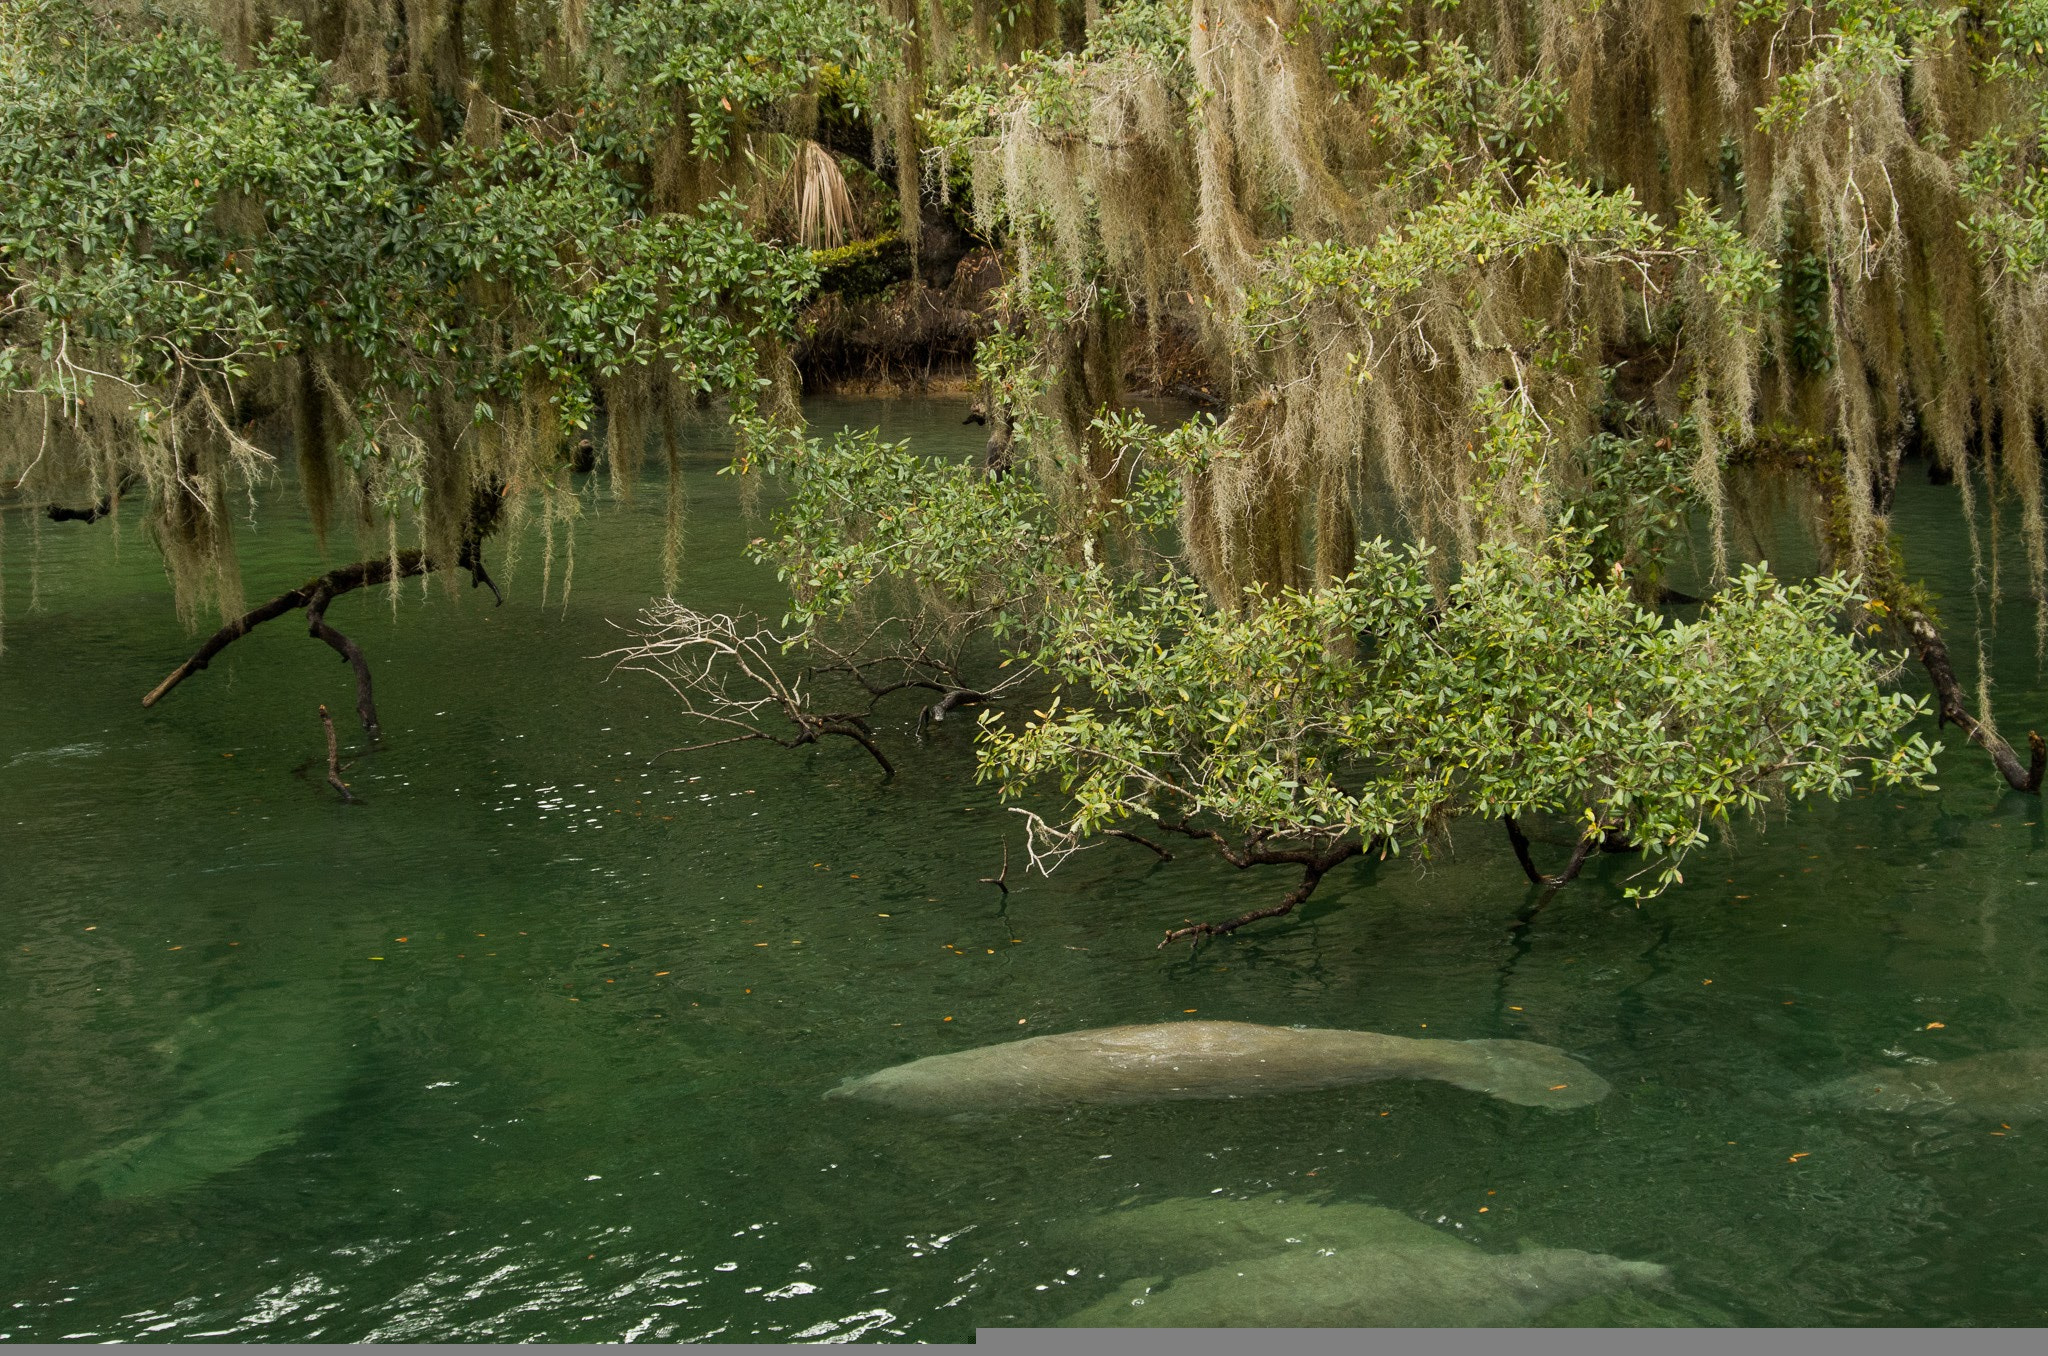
[532, 1044]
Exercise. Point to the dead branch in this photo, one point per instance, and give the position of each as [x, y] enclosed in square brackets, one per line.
[334, 759]
[725, 671]
[314, 596]
[1001, 879]
[316, 626]
[1046, 846]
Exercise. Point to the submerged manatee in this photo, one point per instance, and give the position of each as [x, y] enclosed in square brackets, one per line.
[250, 1073]
[1121, 1064]
[2008, 1085]
[1273, 1263]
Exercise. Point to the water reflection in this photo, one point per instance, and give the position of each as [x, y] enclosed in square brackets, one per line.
[612, 993]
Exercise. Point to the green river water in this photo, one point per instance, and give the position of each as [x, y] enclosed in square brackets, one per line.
[532, 1044]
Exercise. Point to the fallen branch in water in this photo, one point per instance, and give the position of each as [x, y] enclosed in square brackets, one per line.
[334, 759]
[1001, 879]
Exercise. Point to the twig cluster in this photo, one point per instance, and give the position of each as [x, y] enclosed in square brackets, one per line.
[738, 674]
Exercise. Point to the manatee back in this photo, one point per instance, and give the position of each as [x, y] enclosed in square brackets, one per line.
[1393, 1273]
[1172, 1060]
[2009, 1084]
[1120, 1064]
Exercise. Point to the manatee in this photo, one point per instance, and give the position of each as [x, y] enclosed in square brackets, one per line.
[1169, 1060]
[250, 1073]
[1294, 1265]
[2007, 1085]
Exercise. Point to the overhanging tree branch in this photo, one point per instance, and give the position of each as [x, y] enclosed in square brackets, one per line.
[1821, 464]
[314, 596]
[1582, 850]
[1314, 866]
[1948, 692]
[58, 513]
[732, 672]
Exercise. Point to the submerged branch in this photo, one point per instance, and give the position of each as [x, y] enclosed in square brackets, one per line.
[1001, 880]
[1312, 872]
[334, 758]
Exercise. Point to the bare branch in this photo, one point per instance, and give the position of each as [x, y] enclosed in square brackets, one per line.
[334, 759]
[729, 671]
[1001, 879]
[1140, 840]
[1312, 873]
[314, 595]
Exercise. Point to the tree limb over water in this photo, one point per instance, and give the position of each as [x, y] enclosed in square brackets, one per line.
[1934, 658]
[1582, 850]
[1822, 464]
[733, 673]
[59, 513]
[314, 596]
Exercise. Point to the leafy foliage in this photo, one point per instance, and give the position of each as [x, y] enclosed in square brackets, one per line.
[1373, 710]
[190, 223]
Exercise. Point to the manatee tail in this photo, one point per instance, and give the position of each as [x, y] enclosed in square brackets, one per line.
[1644, 1273]
[1524, 1073]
